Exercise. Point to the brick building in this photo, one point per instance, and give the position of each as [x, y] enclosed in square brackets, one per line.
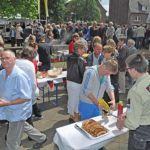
[129, 11]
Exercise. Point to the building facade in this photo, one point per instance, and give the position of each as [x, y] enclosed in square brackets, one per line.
[133, 12]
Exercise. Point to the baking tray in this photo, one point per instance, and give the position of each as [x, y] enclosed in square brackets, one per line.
[78, 126]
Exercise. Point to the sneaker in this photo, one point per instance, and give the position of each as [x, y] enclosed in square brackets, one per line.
[39, 145]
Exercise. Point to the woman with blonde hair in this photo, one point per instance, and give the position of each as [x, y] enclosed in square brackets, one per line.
[97, 39]
[112, 43]
[75, 71]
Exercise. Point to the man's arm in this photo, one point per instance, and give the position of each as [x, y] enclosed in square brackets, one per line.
[112, 97]
[4, 102]
[92, 98]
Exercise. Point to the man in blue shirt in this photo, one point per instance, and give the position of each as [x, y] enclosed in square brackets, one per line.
[15, 101]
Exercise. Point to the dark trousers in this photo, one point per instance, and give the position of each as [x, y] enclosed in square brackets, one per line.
[44, 67]
[13, 41]
[139, 139]
[19, 42]
[139, 42]
[36, 110]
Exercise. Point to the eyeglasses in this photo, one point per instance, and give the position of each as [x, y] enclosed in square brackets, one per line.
[6, 58]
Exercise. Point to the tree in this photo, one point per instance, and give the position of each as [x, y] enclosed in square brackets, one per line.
[26, 8]
[56, 9]
[86, 10]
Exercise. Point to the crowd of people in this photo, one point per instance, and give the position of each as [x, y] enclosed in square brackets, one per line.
[112, 57]
[64, 31]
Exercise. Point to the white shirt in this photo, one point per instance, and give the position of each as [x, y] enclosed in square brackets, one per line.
[28, 67]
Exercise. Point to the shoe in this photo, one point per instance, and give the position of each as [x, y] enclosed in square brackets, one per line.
[36, 117]
[103, 148]
[71, 120]
[38, 114]
[30, 139]
[39, 145]
[38, 98]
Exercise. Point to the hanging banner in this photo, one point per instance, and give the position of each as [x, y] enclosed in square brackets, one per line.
[46, 8]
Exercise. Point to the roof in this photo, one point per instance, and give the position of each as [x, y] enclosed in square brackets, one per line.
[139, 5]
[103, 9]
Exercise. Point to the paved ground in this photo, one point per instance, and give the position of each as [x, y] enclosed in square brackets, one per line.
[54, 117]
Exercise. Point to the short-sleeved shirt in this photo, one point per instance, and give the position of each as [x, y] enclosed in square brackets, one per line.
[139, 108]
[28, 67]
[16, 85]
[93, 83]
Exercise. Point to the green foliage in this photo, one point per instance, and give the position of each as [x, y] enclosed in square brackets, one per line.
[85, 10]
[56, 10]
[27, 8]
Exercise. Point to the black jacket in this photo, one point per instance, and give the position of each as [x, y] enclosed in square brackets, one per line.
[75, 68]
[44, 51]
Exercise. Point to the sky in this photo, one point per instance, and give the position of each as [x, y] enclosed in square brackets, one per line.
[105, 4]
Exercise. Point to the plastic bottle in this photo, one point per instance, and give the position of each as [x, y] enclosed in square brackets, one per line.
[120, 108]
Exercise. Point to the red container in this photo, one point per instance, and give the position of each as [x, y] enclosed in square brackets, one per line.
[120, 108]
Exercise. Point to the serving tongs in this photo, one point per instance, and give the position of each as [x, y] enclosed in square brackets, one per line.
[80, 129]
[109, 113]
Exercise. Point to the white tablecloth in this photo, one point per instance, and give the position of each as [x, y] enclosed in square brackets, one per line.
[56, 80]
[64, 52]
[69, 138]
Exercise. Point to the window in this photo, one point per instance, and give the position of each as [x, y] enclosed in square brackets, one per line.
[139, 6]
[144, 8]
[137, 18]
